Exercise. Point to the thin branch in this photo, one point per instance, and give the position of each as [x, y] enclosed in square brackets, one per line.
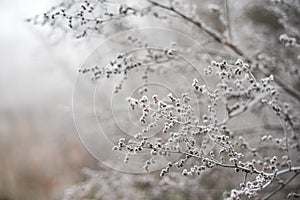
[296, 170]
[286, 137]
[228, 19]
[245, 179]
[243, 109]
[227, 43]
[202, 26]
[282, 185]
[294, 93]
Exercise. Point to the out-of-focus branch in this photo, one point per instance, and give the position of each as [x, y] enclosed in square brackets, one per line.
[228, 20]
[202, 26]
[217, 37]
[282, 185]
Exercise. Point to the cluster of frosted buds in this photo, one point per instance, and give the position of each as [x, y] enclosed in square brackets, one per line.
[266, 137]
[170, 52]
[166, 169]
[155, 99]
[148, 163]
[251, 188]
[245, 87]
[288, 41]
[130, 146]
[132, 102]
[221, 139]
[227, 71]
[208, 163]
[161, 105]
[197, 87]
[180, 163]
[235, 194]
[85, 17]
[145, 108]
[168, 126]
[185, 172]
[196, 169]
[120, 145]
[183, 140]
[121, 65]
[96, 71]
[269, 163]
[267, 80]
[259, 182]
[172, 98]
[186, 98]
[273, 160]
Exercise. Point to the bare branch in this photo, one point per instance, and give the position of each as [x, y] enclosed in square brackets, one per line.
[282, 185]
[228, 19]
[217, 37]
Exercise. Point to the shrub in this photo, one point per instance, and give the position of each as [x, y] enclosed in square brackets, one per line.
[241, 80]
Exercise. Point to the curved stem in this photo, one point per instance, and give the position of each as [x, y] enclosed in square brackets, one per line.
[282, 185]
[202, 26]
[217, 37]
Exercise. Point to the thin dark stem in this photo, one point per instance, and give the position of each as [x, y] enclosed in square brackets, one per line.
[285, 132]
[245, 169]
[245, 179]
[217, 37]
[294, 93]
[202, 26]
[228, 19]
[282, 185]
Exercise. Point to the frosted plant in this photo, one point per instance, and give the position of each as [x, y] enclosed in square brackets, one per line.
[238, 91]
[245, 85]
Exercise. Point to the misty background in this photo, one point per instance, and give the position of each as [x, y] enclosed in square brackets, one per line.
[40, 153]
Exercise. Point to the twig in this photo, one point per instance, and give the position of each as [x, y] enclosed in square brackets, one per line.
[245, 179]
[296, 170]
[228, 20]
[227, 43]
[294, 93]
[202, 26]
[286, 137]
[282, 185]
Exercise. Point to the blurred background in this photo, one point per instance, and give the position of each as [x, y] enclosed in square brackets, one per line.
[40, 153]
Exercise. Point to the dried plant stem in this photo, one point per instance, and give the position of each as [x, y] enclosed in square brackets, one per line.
[282, 185]
[217, 37]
